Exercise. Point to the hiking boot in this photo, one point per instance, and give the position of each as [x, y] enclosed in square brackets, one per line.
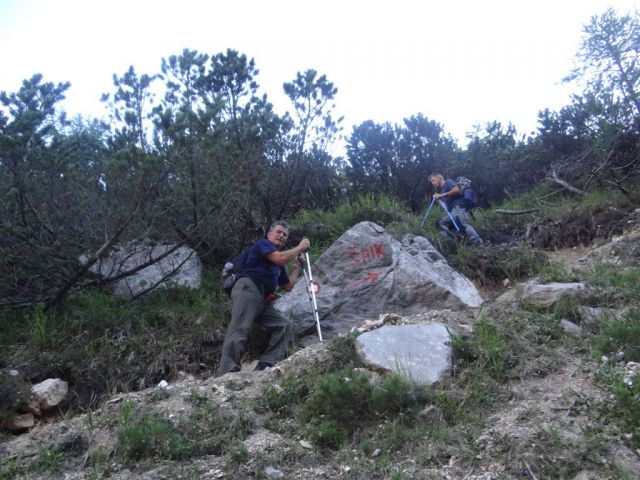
[261, 366]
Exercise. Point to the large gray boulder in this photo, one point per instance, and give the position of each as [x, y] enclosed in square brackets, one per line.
[180, 267]
[366, 272]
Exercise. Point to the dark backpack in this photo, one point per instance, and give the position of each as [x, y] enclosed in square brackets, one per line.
[233, 268]
[469, 193]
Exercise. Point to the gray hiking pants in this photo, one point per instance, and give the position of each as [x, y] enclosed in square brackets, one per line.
[248, 306]
[462, 219]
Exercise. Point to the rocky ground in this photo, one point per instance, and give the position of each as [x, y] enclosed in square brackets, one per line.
[540, 410]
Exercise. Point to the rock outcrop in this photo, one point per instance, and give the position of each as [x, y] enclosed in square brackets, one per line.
[168, 265]
[366, 272]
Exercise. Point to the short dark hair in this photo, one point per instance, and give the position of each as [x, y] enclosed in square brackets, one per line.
[436, 175]
[279, 222]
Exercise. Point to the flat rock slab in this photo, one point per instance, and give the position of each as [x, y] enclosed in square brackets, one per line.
[420, 353]
[540, 295]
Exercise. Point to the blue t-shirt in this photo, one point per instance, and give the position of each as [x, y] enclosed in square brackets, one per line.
[265, 274]
[451, 202]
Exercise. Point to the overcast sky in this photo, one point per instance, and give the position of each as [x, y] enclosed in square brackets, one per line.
[458, 62]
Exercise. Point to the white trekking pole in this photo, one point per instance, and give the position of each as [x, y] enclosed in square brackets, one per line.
[311, 290]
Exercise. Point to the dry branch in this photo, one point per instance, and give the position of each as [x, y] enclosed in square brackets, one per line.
[554, 176]
[515, 212]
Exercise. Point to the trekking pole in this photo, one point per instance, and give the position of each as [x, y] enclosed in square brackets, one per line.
[444, 207]
[311, 286]
[427, 214]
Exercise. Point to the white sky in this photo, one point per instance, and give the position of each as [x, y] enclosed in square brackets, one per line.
[458, 62]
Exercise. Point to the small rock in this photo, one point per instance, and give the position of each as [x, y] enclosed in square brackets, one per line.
[13, 373]
[214, 473]
[50, 392]
[376, 453]
[124, 474]
[631, 373]
[19, 422]
[571, 328]
[273, 472]
[586, 475]
[163, 384]
[483, 441]
[428, 413]
[31, 406]
[305, 444]
[180, 376]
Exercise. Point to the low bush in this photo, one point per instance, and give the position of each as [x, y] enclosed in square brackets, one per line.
[324, 227]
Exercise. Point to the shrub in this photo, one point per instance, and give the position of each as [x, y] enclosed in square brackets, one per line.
[392, 395]
[150, 437]
[493, 263]
[488, 350]
[327, 434]
[620, 336]
[622, 281]
[324, 227]
[342, 396]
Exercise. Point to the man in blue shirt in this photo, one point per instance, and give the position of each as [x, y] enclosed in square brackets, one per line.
[450, 193]
[252, 295]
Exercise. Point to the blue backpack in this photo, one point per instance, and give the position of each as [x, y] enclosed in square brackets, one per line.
[469, 193]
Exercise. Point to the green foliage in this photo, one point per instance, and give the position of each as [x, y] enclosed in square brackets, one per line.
[490, 350]
[607, 60]
[238, 453]
[491, 264]
[41, 335]
[48, 459]
[284, 398]
[622, 283]
[104, 343]
[397, 159]
[393, 394]
[558, 456]
[343, 396]
[11, 468]
[13, 390]
[327, 434]
[619, 336]
[550, 272]
[146, 435]
[324, 227]
[218, 431]
[334, 405]
[342, 351]
[627, 408]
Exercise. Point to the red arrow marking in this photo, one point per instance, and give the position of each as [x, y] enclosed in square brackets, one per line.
[370, 277]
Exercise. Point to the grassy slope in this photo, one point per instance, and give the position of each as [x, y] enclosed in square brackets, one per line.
[103, 345]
